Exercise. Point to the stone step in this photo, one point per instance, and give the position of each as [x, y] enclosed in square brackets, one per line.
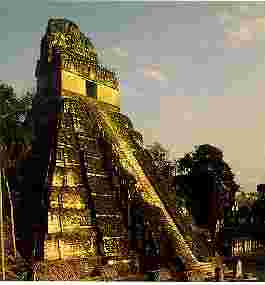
[105, 204]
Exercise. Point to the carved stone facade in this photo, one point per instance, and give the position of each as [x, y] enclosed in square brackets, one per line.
[81, 198]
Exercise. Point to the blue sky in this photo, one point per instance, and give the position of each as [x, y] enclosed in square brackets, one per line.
[191, 73]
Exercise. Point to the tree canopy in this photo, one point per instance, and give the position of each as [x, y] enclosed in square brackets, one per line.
[14, 136]
[14, 139]
[157, 151]
[259, 208]
[208, 173]
[159, 156]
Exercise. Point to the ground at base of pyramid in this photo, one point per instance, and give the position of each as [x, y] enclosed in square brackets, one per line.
[113, 271]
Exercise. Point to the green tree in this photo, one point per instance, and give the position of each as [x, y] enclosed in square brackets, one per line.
[185, 164]
[259, 208]
[15, 136]
[208, 160]
[158, 152]
[14, 139]
[183, 191]
[159, 156]
[211, 182]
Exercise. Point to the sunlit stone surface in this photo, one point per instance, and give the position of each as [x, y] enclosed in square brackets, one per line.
[78, 166]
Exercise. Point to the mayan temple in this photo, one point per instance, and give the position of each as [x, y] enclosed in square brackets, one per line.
[81, 194]
[93, 203]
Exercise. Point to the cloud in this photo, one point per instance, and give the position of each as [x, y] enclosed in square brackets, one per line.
[260, 24]
[225, 18]
[74, 1]
[187, 116]
[91, 35]
[120, 52]
[109, 52]
[232, 123]
[154, 72]
[246, 34]
[244, 8]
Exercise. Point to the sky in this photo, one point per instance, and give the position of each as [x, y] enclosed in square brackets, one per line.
[190, 72]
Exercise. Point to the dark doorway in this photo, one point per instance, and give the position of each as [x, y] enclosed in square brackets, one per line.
[91, 89]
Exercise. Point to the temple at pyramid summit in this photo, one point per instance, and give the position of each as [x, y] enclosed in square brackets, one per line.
[94, 205]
